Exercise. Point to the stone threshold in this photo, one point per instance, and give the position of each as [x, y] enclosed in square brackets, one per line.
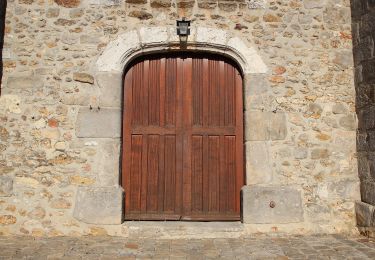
[183, 229]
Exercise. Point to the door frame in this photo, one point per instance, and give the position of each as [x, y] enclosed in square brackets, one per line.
[126, 127]
[108, 70]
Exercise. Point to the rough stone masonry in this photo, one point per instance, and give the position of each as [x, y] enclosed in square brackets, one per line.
[363, 19]
[59, 159]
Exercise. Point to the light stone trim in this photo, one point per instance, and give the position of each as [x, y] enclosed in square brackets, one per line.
[108, 72]
[147, 40]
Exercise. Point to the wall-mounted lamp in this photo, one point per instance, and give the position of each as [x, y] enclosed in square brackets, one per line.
[183, 29]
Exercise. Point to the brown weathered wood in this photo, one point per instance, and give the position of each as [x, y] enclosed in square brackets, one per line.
[183, 139]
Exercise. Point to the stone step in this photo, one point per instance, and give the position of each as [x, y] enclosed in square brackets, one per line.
[183, 229]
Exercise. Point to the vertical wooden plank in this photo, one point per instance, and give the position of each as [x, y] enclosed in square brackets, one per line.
[154, 92]
[206, 174]
[221, 87]
[197, 174]
[161, 180]
[145, 92]
[239, 139]
[179, 136]
[214, 168]
[170, 92]
[126, 140]
[144, 174]
[197, 92]
[223, 180]
[230, 147]
[137, 83]
[214, 93]
[162, 92]
[161, 183]
[187, 133]
[136, 172]
[205, 92]
[170, 174]
[152, 173]
[230, 108]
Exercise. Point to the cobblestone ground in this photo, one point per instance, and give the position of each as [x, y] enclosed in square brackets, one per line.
[255, 247]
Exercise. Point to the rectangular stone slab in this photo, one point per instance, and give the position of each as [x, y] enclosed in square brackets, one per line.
[365, 214]
[271, 205]
[95, 123]
[99, 205]
[6, 186]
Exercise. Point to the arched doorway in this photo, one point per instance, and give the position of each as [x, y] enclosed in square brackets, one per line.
[182, 145]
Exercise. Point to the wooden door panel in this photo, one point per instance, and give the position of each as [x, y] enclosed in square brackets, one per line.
[150, 134]
[182, 145]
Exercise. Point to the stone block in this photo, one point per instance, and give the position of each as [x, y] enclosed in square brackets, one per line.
[300, 153]
[312, 4]
[6, 186]
[140, 14]
[363, 166]
[28, 83]
[207, 4]
[271, 205]
[318, 212]
[253, 62]
[363, 50]
[228, 6]
[334, 16]
[258, 166]
[185, 4]
[343, 59]
[99, 205]
[85, 97]
[102, 123]
[68, 3]
[256, 84]
[261, 126]
[211, 35]
[111, 89]
[10, 103]
[161, 3]
[90, 39]
[348, 122]
[150, 35]
[368, 70]
[368, 191]
[104, 2]
[256, 4]
[278, 129]
[365, 214]
[107, 162]
[256, 126]
[116, 52]
[344, 189]
[366, 118]
[136, 1]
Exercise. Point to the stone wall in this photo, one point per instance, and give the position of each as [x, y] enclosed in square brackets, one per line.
[57, 157]
[363, 17]
[3, 5]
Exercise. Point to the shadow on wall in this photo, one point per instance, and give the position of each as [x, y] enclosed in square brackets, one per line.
[3, 6]
[363, 27]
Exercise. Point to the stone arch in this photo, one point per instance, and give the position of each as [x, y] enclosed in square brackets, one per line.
[147, 40]
[108, 72]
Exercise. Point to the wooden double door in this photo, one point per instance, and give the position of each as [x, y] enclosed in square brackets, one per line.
[182, 153]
